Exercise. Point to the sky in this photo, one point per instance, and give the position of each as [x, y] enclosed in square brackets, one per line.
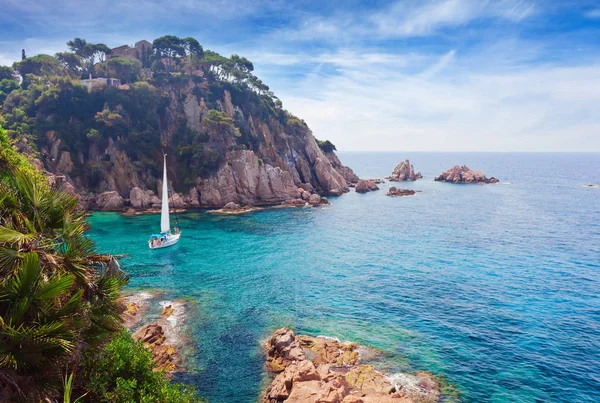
[404, 75]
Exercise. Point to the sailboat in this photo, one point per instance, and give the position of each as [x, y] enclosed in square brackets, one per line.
[166, 237]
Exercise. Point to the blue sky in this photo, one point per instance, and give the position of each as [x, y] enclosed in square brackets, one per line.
[410, 75]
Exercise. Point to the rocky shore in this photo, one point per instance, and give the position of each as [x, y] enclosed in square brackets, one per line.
[317, 370]
[404, 171]
[464, 174]
[163, 337]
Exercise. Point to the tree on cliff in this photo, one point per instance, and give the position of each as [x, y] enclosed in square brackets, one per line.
[40, 65]
[8, 82]
[168, 47]
[124, 68]
[70, 61]
[193, 50]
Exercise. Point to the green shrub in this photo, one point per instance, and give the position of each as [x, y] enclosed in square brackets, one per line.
[123, 372]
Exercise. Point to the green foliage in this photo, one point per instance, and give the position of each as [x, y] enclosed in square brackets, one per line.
[57, 295]
[168, 47]
[11, 160]
[123, 372]
[124, 68]
[6, 87]
[7, 73]
[326, 146]
[220, 123]
[71, 62]
[40, 65]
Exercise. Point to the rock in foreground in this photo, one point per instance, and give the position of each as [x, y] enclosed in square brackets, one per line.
[393, 191]
[317, 369]
[464, 174]
[404, 171]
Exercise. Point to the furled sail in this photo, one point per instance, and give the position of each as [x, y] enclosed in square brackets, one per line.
[164, 210]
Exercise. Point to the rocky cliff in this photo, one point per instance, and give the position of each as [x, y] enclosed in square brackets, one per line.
[224, 143]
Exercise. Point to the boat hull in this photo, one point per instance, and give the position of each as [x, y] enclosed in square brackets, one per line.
[171, 240]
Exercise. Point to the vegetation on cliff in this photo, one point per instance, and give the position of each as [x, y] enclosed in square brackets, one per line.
[174, 97]
[59, 300]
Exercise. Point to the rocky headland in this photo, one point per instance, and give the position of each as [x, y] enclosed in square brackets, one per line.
[393, 191]
[226, 142]
[464, 174]
[317, 370]
[404, 171]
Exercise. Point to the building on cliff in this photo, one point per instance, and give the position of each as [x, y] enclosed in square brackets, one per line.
[92, 83]
[138, 50]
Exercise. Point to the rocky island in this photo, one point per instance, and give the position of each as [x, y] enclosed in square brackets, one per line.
[464, 174]
[404, 171]
[316, 369]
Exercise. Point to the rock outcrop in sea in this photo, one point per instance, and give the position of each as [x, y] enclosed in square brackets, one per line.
[464, 174]
[364, 186]
[317, 370]
[162, 337]
[393, 191]
[404, 171]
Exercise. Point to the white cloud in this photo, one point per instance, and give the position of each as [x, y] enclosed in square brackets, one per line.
[450, 105]
[406, 19]
[595, 13]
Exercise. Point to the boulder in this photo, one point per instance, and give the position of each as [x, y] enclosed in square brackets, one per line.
[109, 201]
[139, 199]
[231, 206]
[464, 174]
[177, 201]
[364, 186]
[393, 191]
[404, 171]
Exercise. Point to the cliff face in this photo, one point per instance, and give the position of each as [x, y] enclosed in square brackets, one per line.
[219, 150]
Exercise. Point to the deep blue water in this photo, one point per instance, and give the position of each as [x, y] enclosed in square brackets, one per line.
[496, 287]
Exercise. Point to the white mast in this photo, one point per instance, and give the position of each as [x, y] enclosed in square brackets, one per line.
[165, 226]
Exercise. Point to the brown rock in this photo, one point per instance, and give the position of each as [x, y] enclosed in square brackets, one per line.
[364, 186]
[231, 206]
[109, 201]
[65, 164]
[464, 174]
[364, 377]
[139, 199]
[346, 172]
[393, 191]
[404, 171]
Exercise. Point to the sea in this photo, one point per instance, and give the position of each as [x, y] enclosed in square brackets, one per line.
[494, 287]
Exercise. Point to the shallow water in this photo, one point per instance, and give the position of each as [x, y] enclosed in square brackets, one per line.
[494, 286]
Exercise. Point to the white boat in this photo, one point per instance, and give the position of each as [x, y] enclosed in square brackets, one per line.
[166, 237]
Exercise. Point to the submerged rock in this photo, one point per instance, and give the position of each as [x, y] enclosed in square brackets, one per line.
[318, 370]
[404, 171]
[464, 174]
[393, 191]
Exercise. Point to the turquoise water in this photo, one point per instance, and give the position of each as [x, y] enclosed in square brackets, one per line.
[496, 287]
